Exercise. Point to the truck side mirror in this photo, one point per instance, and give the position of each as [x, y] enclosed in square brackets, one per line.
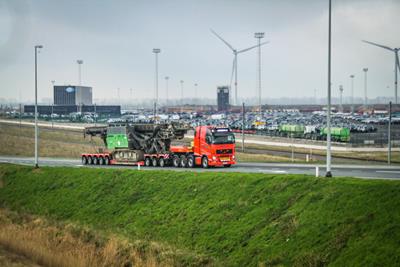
[208, 139]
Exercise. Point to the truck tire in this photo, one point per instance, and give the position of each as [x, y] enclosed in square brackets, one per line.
[154, 162]
[190, 161]
[183, 161]
[175, 161]
[101, 161]
[204, 162]
[90, 160]
[95, 161]
[84, 160]
[161, 162]
[147, 162]
[106, 161]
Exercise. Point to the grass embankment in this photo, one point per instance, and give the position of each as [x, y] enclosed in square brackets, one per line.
[19, 141]
[233, 219]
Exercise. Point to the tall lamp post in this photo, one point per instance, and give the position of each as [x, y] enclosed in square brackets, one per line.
[166, 90]
[328, 112]
[259, 36]
[37, 47]
[341, 97]
[195, 93]
[181, 92]
[365, 87]
[352, 93]
[80, 62]
[156, 51]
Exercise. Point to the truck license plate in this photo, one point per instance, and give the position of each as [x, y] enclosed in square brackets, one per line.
[224, 158]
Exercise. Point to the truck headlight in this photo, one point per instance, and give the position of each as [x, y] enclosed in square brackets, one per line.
[214, 158]
[233, 156]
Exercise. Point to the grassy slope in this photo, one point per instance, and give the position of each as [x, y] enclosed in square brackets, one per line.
[239, 219]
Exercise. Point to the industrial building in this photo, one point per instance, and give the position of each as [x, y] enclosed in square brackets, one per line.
[72, 95]
[223, 98]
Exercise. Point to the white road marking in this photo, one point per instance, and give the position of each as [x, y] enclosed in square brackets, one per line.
[389, 171]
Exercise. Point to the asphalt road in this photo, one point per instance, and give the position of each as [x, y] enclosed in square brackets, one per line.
[367, 172]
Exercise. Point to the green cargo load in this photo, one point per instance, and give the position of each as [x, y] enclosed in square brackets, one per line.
[338, 133]
[291, 128]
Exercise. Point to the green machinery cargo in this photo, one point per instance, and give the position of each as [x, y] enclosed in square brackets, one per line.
[291, 130]
[338, 134]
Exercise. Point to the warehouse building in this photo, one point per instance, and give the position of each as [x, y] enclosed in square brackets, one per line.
[223, 98]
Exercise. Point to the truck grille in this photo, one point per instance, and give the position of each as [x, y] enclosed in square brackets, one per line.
[224, 151]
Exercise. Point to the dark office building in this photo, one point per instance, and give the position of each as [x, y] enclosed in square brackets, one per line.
[223, 98]
[72, 95]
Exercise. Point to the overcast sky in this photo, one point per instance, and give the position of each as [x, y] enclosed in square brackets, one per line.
[115, 39]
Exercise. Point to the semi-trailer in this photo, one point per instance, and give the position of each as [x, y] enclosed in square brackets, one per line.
[150, 145]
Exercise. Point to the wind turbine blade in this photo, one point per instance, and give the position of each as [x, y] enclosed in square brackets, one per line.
[233, 70]
[382, 46]
[225, 42]
[398, 64]
[247, 49]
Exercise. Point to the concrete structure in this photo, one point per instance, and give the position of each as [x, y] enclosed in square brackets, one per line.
[223, 98]
[67, 109]
[72, 95]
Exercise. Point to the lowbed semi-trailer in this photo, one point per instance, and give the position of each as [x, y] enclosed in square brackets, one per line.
[150, 145]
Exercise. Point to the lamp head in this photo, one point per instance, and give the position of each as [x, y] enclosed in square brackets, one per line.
[156, 50]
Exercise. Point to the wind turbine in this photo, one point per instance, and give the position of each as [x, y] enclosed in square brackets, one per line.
[396, 63]
[234, 65]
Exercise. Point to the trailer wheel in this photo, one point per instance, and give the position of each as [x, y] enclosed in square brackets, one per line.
[204, 162]
[106, 161]
[90, 160]
[147, 162]
[175, 161]
[183, 161]
[161, 162]
[84, 160]
[95, 161]
[101, 161]
[190, 161]
[154, 162]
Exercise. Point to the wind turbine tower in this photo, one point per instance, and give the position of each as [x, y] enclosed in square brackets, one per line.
[234, 65]
[396, 64]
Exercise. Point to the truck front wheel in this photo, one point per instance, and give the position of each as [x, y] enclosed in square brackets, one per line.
[204, 162]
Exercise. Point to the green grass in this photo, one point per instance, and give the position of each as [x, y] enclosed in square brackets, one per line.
[235, 218]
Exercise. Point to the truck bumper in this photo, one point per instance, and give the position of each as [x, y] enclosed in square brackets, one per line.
[217, 162]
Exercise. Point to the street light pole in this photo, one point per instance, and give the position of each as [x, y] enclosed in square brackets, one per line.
[341, 97]
[166, 89]
[352, 93]
[365, 87]
[195, 93]
[156, 51]
[259, 35]
[181, 92]
[328, 112]
[80, 62]
[37, 47]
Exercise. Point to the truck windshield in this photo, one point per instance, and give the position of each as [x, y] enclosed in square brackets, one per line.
[223, 138]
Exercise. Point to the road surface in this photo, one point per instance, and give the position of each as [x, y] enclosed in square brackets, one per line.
[358, 171]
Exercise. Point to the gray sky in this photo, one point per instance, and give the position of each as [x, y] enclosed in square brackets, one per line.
[115, 40]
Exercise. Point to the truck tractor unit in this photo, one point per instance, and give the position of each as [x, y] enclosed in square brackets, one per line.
[149, 144]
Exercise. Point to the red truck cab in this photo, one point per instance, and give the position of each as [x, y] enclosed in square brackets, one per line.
[214, 146]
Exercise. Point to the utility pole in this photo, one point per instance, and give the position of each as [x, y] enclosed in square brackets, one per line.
[195, 93]
[390, 134]
[365, 87]
[243, 122]
[259, 36]
[156, 51]
[37, 47]
[80, 62]
[52, 106]
[166, 90]
[181, 95]
[341, 97]
[328, 112]
[352, 93]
